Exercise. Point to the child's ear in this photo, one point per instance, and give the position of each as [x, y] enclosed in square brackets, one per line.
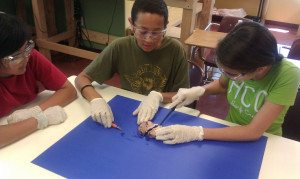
[130, 21]
[261, 69]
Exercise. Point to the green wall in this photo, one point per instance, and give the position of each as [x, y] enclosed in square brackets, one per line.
[8, 6]
[98, 15]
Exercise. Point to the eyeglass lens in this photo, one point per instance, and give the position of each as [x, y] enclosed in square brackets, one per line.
[229, 75]
[143, 34]
[20, 56]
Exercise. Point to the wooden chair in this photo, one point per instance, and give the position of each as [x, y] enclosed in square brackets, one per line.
[294, 52]
[208, 55]
[195, 77]
[291, 124]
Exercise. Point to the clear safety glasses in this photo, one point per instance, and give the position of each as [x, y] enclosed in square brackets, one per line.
[144, 34]
[18, 56]
[230, 75]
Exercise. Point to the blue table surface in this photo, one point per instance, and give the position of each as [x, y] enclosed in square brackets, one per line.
[91, 151]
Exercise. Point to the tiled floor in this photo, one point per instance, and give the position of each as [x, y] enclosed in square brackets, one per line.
[71, 65]
[214, 105]
[284, 38]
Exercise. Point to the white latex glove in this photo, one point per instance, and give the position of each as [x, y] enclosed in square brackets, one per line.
[148, 107]
[186, 96]
[101, 112]
[23, 114]
[51, 116]
[176, 134]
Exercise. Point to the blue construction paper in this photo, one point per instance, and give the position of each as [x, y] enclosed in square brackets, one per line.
[91, 151]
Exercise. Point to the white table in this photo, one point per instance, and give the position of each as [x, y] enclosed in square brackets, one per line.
[281, 158]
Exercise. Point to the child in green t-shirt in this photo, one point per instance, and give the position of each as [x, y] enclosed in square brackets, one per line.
[147, 63]
[259, 83]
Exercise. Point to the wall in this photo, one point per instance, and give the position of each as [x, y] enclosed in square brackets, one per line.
[98, 15]
[284, 11]
[287, 11]
[250, 6]
[9, 6]
[127, 9]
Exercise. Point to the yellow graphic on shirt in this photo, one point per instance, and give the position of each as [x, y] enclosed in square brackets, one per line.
[147, 77]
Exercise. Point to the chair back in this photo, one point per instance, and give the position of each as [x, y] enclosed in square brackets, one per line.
[294, 52]
[195, 74]
[291, 124]
[195, 77]
[229, 22]
[208, 55]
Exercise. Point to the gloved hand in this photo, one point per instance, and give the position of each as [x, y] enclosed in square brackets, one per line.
[51, 116]
[186, 96]
[148, 107]
[23, 114]
[101, 112]
[176, 134]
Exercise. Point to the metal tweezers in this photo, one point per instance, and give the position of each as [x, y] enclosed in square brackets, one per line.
[149, 130]
[156, 125]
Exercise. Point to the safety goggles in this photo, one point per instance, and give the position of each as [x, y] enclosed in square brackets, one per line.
[230, 75]
[18, 56]
[144, 34]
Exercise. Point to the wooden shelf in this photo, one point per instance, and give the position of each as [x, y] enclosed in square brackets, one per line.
[195, 13]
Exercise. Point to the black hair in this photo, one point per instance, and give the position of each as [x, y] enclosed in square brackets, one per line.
[248, 46]
[151, 6]
[13, 34]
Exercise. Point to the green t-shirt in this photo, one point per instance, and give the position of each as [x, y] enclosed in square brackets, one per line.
[164, 69]
[279, 86]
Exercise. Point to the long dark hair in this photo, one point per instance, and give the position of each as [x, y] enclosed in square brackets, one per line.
[248, 46]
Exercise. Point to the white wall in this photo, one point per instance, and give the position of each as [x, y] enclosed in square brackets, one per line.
[283, 11]
[276, 10]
